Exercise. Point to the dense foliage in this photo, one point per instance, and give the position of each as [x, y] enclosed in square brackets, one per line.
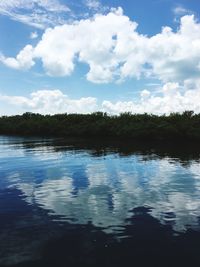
[185, 126]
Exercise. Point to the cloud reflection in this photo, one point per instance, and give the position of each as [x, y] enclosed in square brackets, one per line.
[80, 188]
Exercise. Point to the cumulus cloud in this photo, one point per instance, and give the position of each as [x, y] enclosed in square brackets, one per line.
[114, 50]
[172, 98]
[51, 102]
[24, 60]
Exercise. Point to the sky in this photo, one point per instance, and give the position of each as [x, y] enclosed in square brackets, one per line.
[64, 56]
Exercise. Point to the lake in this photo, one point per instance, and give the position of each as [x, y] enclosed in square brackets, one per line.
[75, 203]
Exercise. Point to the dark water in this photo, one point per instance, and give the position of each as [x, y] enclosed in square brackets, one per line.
[77, 204]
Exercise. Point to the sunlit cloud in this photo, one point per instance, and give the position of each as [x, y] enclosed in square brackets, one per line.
[169, 56]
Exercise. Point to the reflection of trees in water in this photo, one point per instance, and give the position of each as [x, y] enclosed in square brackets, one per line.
[182, 152]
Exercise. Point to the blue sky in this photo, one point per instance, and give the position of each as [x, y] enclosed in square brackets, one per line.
[86, 55]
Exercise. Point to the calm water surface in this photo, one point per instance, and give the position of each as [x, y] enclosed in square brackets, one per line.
[72, 205]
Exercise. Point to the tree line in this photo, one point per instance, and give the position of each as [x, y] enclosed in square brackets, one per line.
[176, 126]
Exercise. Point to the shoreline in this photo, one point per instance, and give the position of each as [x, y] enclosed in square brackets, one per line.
[142, 128]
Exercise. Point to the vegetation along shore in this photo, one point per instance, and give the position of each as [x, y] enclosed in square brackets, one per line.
[173, 127]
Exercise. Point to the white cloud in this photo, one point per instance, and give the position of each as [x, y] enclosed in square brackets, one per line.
[180, 10]
[33, 35]
[24, 59]
[172, 99]
[145, 94]
[51, 102]
[93, 4]
[115, 51]
[175, 56]
[85, 40]
[172, 57]
[50, 5]
[37, 13]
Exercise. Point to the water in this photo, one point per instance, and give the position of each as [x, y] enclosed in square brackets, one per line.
[77, 204]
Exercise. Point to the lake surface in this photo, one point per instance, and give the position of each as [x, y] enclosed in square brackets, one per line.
[89, 204]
